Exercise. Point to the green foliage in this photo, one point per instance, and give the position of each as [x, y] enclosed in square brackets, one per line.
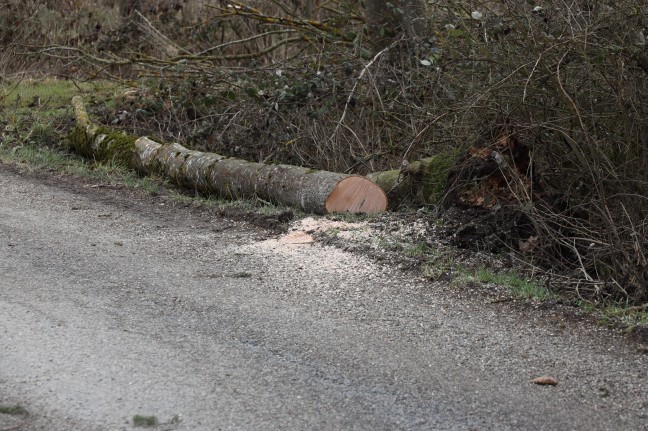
[50, 95]
[628, 316]
[35, 137]
[519, 286]
[440, 265]
[144, 421]
[416, 250]
[13, 410]
[33, 156]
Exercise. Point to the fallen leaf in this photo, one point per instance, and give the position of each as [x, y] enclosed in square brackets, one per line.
[545, 380]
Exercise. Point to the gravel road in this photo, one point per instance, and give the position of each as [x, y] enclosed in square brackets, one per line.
[115, 304]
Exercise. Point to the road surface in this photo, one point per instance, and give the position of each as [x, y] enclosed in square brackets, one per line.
[115, 304]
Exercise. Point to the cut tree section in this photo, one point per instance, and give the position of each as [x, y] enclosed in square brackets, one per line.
[357, 195]
[311, 190]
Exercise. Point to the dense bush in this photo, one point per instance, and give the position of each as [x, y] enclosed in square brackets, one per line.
[569, 79]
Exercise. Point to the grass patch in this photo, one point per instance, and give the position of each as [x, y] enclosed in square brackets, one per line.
[607, 314]
[144, 421]
[251, 205]
[385, 243]
[117, 174]
[50, 93]
[439, 266]
[34, 157]
[31, 157]
[13, 410]
[416, 250]
[37, 115]
[519, 286]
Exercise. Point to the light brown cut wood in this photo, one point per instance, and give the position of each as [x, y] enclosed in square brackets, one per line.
[356, 195]
[545, 381]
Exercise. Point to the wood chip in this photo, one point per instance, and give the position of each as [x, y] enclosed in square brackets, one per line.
[545, 380]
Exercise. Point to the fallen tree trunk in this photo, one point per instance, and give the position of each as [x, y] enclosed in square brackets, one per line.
[422, 182]
[311, 190]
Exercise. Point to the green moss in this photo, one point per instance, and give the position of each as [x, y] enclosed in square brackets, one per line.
[79, 141]
[427, 182]
[116, 147]
[434, 171]
[386, 180]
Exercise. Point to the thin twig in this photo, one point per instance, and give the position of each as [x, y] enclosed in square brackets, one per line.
[170, 47]
[355, 85]
[248, 39]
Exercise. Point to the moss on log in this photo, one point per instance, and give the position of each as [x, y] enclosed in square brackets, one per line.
[98, 142]
[421, 182]
[311, 190]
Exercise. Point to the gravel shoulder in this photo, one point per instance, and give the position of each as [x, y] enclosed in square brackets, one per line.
[114, 304]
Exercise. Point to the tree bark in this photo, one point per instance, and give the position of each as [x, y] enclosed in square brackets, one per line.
[311, 190]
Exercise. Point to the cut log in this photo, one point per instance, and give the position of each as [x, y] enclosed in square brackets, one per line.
[311, 190]
[356, 194]
[308, 189]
